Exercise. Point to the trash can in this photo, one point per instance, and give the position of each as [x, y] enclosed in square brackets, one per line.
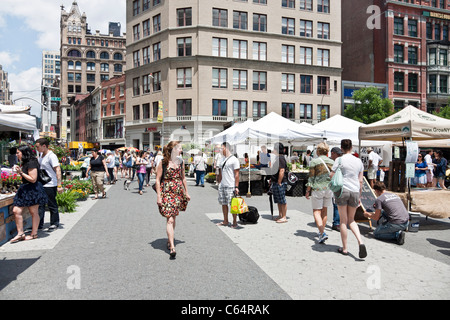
[414, 223]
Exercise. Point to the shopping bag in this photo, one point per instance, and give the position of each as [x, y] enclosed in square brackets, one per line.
[238, 205]
[337, 182]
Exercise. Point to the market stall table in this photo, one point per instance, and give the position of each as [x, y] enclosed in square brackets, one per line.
[432, 202]
[7, 222]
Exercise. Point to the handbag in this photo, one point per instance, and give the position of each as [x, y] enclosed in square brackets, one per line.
[238, 205]
[43, 177]
[337, 181]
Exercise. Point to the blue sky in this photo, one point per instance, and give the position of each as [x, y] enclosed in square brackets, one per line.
[29, 27]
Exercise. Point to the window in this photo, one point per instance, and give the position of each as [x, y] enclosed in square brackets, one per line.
[432, 84]
[412, 82]
[219, 78]
[259, 80]
[146, 111]
[432, 56]
[429, 31]
[240, 49]
[239, 79]
[437, 32]
[136, 59]
[157, 51]
[412, 28]
[145, 5]
[118, 67]
[90, 77]
[136, 32]
[398, 53]
[146, 55]
[259, 109]
[288, 26]
[259, 51]
[306, 84]
[157, 23]
[77, 65]
[90, 55]
[146, 28]
[70, 77]
[323, 30]
[184, 17]
[136, 7]
[136, 87]
[104, 67]
[118, 56]
[398, 26]
[287, 54]
[288, 3]
[259, 22]
[287, 82]
[156, 81]
[136, 113]
[288, 110]
[306, 28]
[306, 5]
[260, 1]
[412, 55]
[220, 18]
[399, 78]
[104, 55]
[184, 47]
[219, 107]
[219, 47]
[184, 107]
[77, 77]
[305, 111]
[323, 84]
[240, 20]
[323, 57]
[323, 6]
[443, 84]
[74, 53]
[442, 57]
[323, 112]
[70, 65]
[146, 84]
[305, 55]
[239, 108]
[184, 78]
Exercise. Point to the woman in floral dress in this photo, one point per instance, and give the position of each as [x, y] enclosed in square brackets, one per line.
[172, 193]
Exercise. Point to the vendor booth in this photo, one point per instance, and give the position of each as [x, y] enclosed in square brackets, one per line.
[416, 125]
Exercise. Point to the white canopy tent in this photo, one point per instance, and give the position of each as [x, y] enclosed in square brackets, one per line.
[18, 122]
[408, 123]
[13, 109]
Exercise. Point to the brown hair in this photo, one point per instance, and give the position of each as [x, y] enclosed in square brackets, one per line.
[346, 145]
[322, 149]
[378, 185]
[167, 151]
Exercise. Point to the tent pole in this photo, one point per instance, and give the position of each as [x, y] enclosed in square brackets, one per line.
[249, 194]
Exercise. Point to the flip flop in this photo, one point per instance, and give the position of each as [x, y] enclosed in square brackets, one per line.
[221, 224]
[362, 251]
[341, 251]
[282, 220]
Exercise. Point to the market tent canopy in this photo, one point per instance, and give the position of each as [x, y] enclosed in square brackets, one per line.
[18, 122]
[407, 123]
[232, 135]
[13, 109]
[339, 127]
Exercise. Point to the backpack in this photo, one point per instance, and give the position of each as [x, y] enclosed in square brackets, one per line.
[337, 182]
[251, 216]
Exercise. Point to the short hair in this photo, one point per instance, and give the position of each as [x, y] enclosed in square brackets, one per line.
[346, 145]
[42, 141]
[279, 147]
[378, 185]
[322, 149]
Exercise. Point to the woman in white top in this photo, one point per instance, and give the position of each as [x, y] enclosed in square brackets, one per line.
[352, 170]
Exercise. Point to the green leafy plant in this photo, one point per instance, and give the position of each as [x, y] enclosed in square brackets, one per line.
[67, 201]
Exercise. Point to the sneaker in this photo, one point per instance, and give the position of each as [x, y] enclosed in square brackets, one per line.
[323, 237]
[53, 227]
[400, 238]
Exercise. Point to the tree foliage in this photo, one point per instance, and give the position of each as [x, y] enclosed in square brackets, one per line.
[369, 107]
[444, 112]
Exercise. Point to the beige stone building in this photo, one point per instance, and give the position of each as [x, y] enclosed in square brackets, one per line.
[213, 62]
[5, 90]
[87, 59]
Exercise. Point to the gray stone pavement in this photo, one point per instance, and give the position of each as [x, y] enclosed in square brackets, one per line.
[115, 248]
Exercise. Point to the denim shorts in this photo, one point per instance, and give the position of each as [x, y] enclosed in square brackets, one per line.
[348, 198]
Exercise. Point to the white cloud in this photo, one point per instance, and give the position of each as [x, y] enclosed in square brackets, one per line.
[7, 59]
[27, 84]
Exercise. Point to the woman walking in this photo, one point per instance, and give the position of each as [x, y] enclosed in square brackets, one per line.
[97, 166]
[30, 195]
[141, 162]
[318, 190]
[172, 193]
[348, 201]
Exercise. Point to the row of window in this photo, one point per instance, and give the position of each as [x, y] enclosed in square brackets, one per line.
[90, 66]
[435, 80]
[137, 7]
[240, 81]
[436, 32]
[240, 51]
[240, 109]
[434, 3]
[399, 82]
[92, 55]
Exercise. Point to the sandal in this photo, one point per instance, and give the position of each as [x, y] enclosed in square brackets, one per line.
[18, 238]
[173, 253]
[104, 195]
[31, 237]
[281, 220]
[341, 251]
[362, 251]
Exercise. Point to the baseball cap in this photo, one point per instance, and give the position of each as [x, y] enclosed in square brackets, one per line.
[337, 150]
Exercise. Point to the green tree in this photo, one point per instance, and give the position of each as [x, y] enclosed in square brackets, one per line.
[370, 106]
[444, 112]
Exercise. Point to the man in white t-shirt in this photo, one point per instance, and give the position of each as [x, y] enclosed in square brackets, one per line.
[429, 162]
[228, 179]
[374, 162]
[49, 161]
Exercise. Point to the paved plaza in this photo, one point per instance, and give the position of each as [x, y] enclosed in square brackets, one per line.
[115, 248]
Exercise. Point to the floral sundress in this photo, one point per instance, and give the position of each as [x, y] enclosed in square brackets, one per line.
[173, 197]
